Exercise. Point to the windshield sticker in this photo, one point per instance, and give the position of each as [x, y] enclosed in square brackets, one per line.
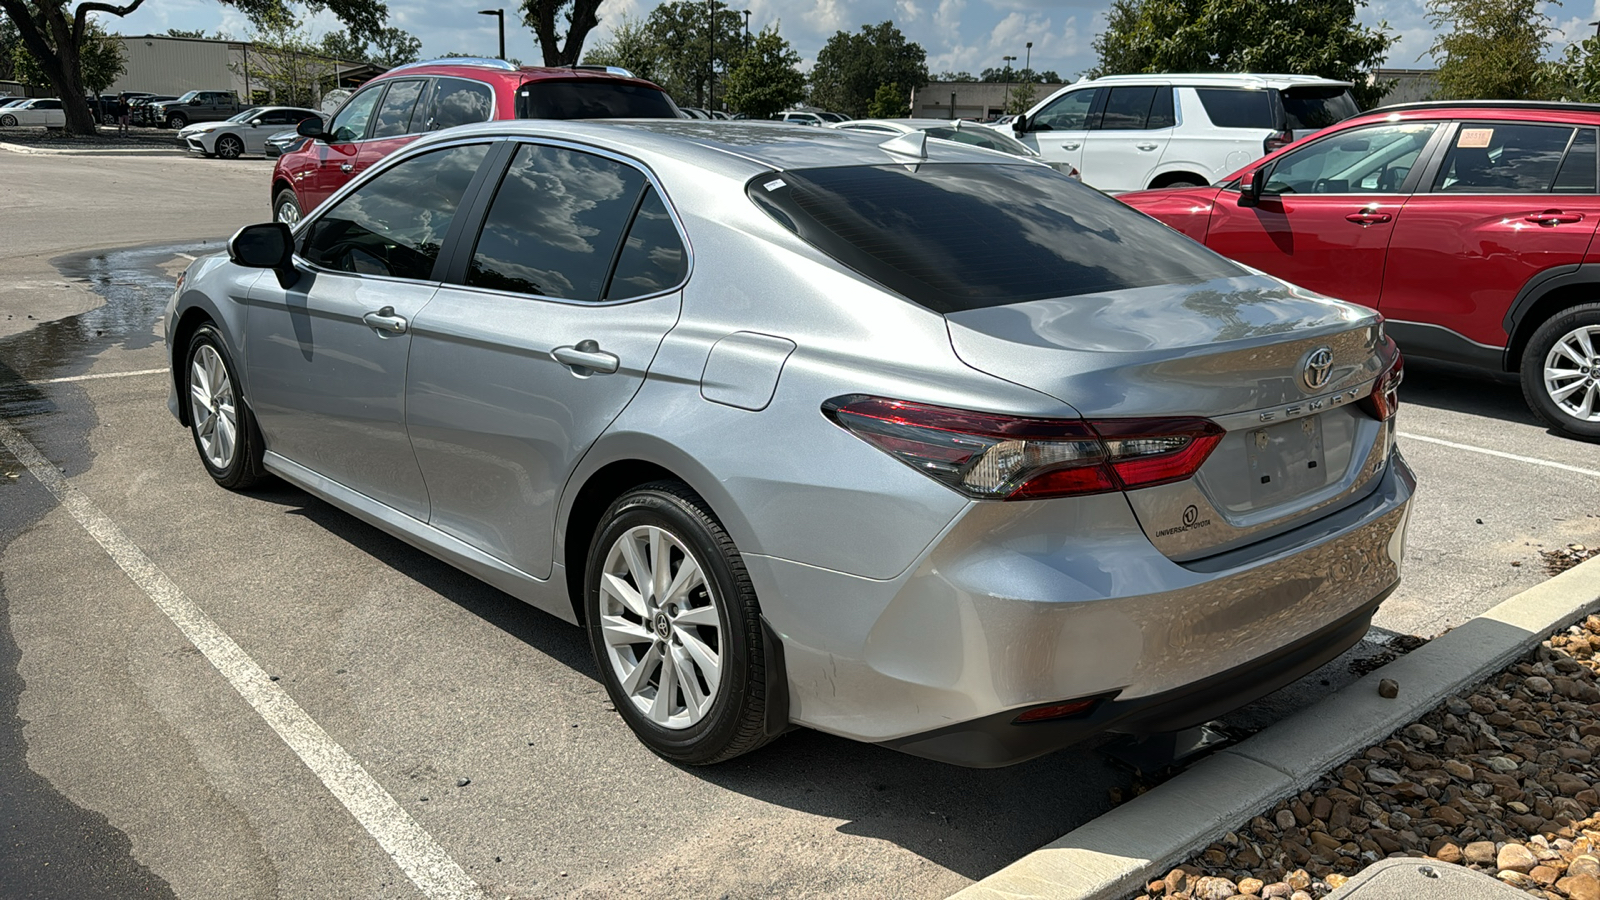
[778, 183]
[1472, 138]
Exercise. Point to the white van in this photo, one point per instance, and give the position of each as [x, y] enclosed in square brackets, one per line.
[1132, 132]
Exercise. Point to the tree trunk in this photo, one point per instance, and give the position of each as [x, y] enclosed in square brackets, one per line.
[584, 20]
[540, 15]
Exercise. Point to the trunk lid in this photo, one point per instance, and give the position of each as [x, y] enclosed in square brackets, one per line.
[1236, 351]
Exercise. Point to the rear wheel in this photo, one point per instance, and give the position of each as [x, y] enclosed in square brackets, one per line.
[675, 626]
[224, 431]
[285, 207]
[1561, 371]
[230, 147]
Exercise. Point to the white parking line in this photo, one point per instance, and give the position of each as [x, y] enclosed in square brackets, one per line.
[98, 377]
[407, 843]
[1503, 455]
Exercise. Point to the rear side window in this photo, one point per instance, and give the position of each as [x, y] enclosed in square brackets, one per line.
[394, 224]
[1577, 175]
[1161, 112]
[1315, 108]
[1127, 109]
[652, 257]
[960, 236]
[592, 100]
[1237, 108]
[554, 227]
[394, 113]
[1501, 158]
[456, 101]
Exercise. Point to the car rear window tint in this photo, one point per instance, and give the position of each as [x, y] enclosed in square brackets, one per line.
[1127, 109]
[959, 236]
[1161, 112]
[394, 113]
[653, 258]
[1502, 158]
[1239, 108]
[554, 227]
[394, 224]
[1577, 175]
[458, 102]
[592, 100]
[1315, 108]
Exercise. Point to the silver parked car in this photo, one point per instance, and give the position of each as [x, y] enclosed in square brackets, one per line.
[897, 439]
[245, 133]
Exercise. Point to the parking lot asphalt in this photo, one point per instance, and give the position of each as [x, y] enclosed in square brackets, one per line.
[129, 763]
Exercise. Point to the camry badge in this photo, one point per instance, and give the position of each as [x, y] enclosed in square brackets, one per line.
[1319, 368]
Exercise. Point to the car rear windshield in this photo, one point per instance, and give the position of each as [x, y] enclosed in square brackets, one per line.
[960, 236]
[1317, 107]
[592, 100]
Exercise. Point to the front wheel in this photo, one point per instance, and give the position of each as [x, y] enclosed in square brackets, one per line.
[224, 431]
[176, 121]
[230, 147]
[285, 207]
[675, 627]
[8, 121]
[1561, 371]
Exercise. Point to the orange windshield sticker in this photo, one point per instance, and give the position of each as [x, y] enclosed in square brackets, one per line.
[1475, 137]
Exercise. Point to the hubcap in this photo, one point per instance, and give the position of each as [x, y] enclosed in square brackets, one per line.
[288, 213]
[211, 407]
[1572, 373]
[662, 631]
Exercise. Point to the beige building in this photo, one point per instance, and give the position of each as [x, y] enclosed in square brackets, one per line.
[969, 99]
[161, 64]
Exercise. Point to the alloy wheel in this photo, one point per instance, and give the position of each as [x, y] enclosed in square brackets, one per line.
[288, 213]
[1572, 373]
[8, 121]
[229, 147]
[662, 627]
[212, 408]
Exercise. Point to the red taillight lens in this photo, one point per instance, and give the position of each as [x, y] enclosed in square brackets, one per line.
[1056, 711]
[996, 457]
[1277, 140]
[1384, 400]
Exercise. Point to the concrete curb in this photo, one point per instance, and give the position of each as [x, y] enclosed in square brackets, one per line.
[1115, 855]
[100, 151]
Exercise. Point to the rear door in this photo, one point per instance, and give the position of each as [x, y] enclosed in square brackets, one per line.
[1058, 131]
[544, 334]
[1328, 210]
[1127, 139]
[1506, 201]
[451, 102]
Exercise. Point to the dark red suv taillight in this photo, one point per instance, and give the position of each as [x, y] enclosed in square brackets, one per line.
[1384, 400]
[1277, 140]
[997, 457]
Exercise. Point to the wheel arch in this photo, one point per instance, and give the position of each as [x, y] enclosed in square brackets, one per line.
[1165, 179]
[279, 185]
[1545, 295]
[188, 323]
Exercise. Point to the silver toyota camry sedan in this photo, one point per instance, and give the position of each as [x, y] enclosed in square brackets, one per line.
[894, 439]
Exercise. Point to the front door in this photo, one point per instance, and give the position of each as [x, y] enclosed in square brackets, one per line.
[337, 157]
[1328, 211]
[1509, 200]
[1058, 131]
[518, 367]
[326, 358]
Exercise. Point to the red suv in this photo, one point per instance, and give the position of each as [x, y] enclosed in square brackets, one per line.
[1469, 225]
[409, 101]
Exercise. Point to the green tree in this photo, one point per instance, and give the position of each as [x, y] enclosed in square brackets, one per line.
[1300, 37]
[100, 56]
[852, 69]
[632, 47]
[765, 81]
[1021, 99]
[954, 76]
[693, 38]
[389, 47]
[10, 40]
[286, 65]
[1490, 49]
[53, 31]
[888, 102]
[1576, 76]
[561, 48]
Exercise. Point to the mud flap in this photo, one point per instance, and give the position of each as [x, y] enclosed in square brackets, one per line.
[777, 682]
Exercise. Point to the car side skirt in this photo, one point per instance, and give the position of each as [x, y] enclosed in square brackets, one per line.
[1428, 341]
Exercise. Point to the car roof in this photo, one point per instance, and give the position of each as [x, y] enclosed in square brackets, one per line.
[1219, 79]
[1478, 107]
[500, 70]
[738, 149]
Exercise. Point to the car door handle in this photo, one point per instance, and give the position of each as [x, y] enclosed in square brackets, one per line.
[345, 168]
[587, 358]
[1368, 217]
[385, 320]
[1553, 217]
[1147, 146]
[1070, 146]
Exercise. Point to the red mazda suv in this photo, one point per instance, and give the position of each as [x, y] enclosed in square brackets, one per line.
[409, 101]
[1469, 225]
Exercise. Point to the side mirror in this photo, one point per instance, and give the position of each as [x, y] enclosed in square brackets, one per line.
[269, 245]
[1019, 125]
[255, 123]
[1251, 186]
[311, 128]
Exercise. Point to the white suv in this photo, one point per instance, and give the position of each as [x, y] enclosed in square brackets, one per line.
[1132, 132]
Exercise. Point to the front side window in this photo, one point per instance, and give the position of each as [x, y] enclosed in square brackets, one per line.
[1069, 112]
[1127, 109]
[1501, 158]
[456, 101]
[1373, 160]
[394, 224]
[555, 223]
[394, 113]
[350, 124]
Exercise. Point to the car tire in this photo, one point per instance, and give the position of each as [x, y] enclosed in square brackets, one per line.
[1560, 377]
[8, 121]
[177, 121]
[224, 431]
[706, 629]
[286, 207]
[1173, 185]
[229, 147]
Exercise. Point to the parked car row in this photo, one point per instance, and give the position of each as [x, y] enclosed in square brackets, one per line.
[245, 133]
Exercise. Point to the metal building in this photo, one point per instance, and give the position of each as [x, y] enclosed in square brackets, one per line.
[162, 64]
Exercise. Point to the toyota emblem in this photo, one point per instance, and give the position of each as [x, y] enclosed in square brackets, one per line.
[1319, 368]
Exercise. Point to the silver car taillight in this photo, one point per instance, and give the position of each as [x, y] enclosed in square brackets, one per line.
[997, 457]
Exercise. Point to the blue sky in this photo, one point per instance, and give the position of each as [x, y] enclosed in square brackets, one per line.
[968, 35]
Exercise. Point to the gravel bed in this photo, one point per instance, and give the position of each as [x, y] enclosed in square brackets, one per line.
[1501, 779]
[56, 139]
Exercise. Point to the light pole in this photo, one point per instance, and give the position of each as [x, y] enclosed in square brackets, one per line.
[1009, 60]
[499, 14]
[711, 61]
[1027, 65]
